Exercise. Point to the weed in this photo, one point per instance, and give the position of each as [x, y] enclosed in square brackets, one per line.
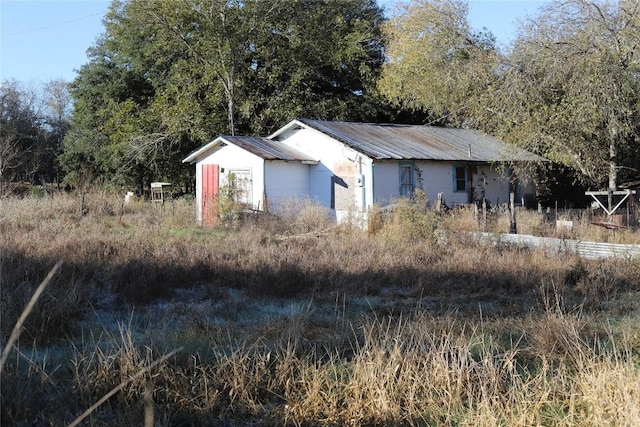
[292, 321]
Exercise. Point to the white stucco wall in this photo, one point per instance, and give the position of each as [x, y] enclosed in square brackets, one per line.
[354, 171]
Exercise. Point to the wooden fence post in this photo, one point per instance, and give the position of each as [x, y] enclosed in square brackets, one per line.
[484, 215]
[513, 229]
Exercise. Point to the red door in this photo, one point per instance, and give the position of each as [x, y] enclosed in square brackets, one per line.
[210, 179]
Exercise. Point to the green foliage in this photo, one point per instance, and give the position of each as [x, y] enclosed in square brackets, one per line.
[568, 89]
[229, 206]
[317, 62]
[169, 76]
[571, 90]
[437, 63]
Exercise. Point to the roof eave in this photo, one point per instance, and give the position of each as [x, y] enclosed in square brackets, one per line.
[288, 126]
[198, 154]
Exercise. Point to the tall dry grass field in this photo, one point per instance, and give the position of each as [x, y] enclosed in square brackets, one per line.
[294, 321]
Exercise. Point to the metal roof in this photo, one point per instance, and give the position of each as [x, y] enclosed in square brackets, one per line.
[267, 149]
[419, 142]
[264, 148]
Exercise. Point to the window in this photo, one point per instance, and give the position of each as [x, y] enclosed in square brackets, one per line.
[240, 183]
[459, 178]
[406, 179]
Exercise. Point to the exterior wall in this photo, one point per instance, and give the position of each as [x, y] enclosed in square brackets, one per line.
[285, 181]
[231, 158]
[386, 183]
[438, 177]
[495, 186]
[342, 177]
[491, 184]
[349, 182]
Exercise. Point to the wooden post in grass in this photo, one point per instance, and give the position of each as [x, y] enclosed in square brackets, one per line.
[513, 228]
[484, 215]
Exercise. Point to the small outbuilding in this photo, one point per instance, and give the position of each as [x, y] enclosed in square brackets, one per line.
[349, 167]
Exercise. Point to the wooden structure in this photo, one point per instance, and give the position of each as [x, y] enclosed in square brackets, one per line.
[160, 192]
[610, 224]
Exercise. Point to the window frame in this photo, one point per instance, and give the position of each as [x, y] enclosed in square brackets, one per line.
[457, 180]
[242, 187]
[412, 184]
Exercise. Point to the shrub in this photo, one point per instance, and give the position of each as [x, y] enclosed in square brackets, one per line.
[410, 221]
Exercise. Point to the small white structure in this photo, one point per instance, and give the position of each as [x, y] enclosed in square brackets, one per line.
[160, 192]
[127, 197]
[349, 167]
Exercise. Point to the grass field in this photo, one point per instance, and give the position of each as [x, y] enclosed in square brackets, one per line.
[294, 321]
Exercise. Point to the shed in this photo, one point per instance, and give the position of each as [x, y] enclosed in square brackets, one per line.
[260, 171]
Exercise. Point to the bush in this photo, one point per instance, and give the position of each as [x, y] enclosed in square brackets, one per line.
[410, 221]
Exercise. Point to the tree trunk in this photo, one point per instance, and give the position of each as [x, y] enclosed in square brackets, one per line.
[232, 125]
[613, 171]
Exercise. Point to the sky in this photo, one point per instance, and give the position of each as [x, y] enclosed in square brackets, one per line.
[43, 40]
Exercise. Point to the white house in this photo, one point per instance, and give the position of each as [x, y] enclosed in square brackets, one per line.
[349, 167]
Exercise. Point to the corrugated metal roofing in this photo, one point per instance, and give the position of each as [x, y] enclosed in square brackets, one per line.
[266, 148]
[590, 250]
[419, 142]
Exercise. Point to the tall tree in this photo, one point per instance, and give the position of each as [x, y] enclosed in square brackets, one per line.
[318, 59]
[56, 116]
[572, 88]
[437, 62]
[168, 76]
[33, 121]
[19, 131]
[110, 98]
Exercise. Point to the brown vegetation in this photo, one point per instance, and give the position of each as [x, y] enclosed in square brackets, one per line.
[287, 322]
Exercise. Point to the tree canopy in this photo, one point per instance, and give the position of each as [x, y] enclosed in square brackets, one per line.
[568, 89]
[573, 78]
[437, 62]
[168, 76]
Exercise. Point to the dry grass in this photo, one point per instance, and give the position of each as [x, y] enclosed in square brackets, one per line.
[332, 326]
[531, 222]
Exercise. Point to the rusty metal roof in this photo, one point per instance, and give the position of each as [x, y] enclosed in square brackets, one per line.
[264, 148]
[267, 149]
[420, 142]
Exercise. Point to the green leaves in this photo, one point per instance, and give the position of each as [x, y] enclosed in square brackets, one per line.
[569, 89]
[574, 67]
[436, 62]
[169, 76]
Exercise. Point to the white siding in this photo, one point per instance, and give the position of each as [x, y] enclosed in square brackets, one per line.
[437, 177]
[495, 185]
[231, 158]
[386, 184]
[285, 181]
